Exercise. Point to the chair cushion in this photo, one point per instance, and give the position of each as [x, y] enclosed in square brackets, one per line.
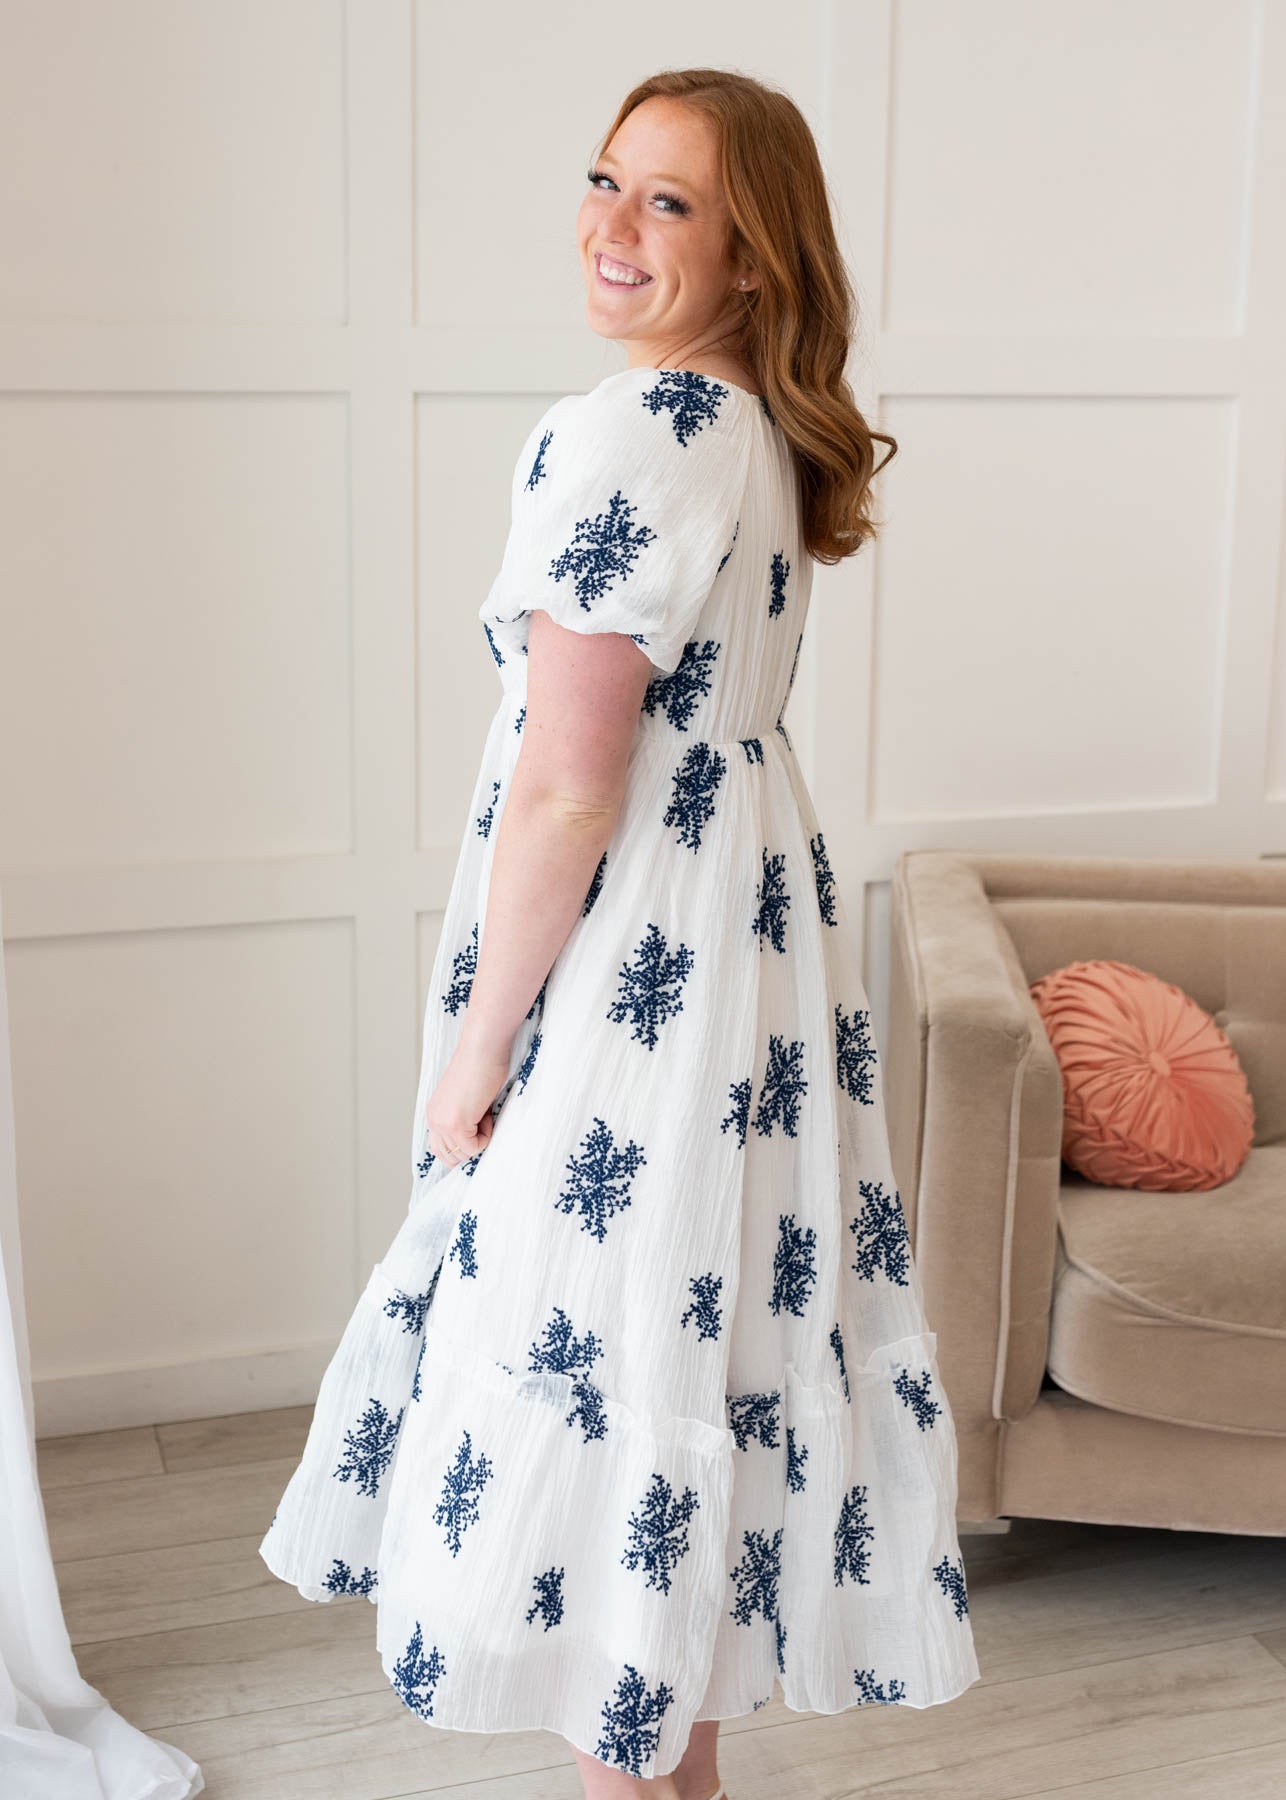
[1174, 1306]
[1154, 1095]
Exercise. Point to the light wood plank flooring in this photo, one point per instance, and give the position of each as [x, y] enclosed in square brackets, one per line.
[1118, 1664]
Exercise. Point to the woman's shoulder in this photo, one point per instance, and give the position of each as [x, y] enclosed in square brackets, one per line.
[656, 425]
[678, 403]
[664, 439]
[660, 407]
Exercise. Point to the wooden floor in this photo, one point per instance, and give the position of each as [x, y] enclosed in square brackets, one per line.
[1117, 1663]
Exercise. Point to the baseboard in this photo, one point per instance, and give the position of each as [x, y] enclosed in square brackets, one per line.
[208, 1389]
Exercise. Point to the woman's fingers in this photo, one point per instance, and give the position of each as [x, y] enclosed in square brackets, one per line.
[457, 1146]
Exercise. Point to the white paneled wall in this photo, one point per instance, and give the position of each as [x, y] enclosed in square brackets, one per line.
[284, 284]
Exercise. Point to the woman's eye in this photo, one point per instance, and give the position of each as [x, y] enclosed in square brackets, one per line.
[672, 201]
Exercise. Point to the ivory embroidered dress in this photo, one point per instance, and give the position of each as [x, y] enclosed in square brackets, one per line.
[641, 1410]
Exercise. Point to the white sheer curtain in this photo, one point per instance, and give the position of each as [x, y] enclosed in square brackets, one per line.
[59, 1739]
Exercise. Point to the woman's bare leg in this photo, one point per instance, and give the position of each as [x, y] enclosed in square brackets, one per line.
[697, 1776]
[603, 1783]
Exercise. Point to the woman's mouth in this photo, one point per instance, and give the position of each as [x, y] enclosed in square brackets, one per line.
[614, 274]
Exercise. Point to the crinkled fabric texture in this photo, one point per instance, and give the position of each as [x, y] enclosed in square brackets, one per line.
[641, 1412]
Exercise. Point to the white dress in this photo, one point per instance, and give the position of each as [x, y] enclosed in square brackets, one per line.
[641, 1410]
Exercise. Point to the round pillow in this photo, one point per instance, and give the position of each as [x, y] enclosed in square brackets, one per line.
[1153, 1094]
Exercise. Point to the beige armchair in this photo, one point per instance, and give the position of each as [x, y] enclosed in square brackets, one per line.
[1110, 1355]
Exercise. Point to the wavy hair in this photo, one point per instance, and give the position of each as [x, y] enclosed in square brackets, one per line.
[797, 326]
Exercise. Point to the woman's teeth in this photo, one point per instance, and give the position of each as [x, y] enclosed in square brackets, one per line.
[620, 275]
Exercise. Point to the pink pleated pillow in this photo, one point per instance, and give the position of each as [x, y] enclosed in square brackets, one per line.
[1153, 1094]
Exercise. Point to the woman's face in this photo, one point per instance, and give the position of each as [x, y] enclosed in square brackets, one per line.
[655, 209]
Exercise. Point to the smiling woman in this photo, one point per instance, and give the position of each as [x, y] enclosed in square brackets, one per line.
[641, 1413]
[708, 189]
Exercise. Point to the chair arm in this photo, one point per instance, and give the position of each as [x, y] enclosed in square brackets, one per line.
[975, 1103]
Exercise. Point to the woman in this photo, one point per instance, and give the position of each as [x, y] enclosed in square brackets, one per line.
[641, 1410]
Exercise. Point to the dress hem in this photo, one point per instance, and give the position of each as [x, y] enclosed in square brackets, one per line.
[656, 1773]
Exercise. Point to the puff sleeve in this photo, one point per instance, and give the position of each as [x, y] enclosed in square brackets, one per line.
[625, 506]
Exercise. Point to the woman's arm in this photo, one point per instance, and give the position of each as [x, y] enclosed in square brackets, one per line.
[584, 692]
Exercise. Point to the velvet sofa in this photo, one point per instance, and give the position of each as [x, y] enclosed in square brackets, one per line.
[1110, 1355]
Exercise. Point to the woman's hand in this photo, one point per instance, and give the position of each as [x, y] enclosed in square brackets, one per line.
[458, 1110]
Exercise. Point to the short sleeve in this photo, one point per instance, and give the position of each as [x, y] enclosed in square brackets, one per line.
[625, 505]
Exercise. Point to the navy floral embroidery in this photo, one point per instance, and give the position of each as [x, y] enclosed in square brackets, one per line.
[695, 781]
[410, 1308]
[837, 1345]
[855, 1054]
[419, 1364]
[519, 717]
[704, 1307]
[538, 469]
[679, 693]
[951, 1580]
[595, 886]
[604, 549]
[739, 1118]
[692, 401]
[464, 966]
[825, 880]
[495, 648]
[784, 1086]
[342, 1580]
[728, 552]
[659, 1532]
[794, 1266]
[631, 1719]
[368, 1449]
[873, 1693]
[780, 570]
[880, 1230]
[589, 1411]
[416, 1676]
[485, 819]
[562, 1351]
[754, 1418]
[753, 748]
[461, 1486]
[757, 1575]
[796, 1457]
[651, 989]
[772, 903]
[528, 1062]
[913, 1391]
[463, 1249]
[549, 1598]
[852, 1532]
[600, 1179]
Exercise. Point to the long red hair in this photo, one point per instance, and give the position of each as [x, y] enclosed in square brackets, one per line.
[798, 325]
